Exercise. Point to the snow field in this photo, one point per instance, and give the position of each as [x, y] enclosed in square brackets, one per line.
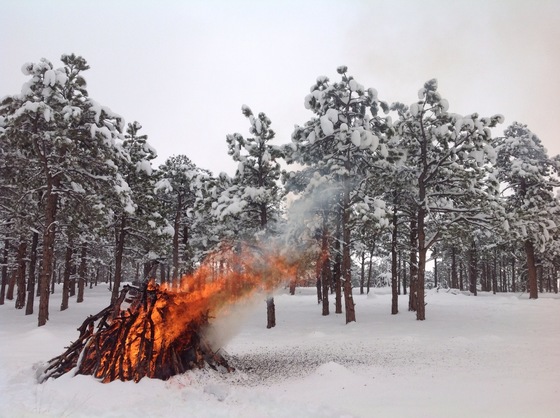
[484, 356]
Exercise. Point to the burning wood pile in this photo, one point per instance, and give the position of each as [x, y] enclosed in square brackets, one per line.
[159, 330]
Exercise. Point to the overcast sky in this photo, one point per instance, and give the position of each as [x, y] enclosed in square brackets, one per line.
[183, 69]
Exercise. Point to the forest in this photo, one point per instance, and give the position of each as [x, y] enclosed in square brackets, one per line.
[365, 193]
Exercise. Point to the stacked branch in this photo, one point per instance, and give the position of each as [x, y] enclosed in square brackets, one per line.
[139, 336]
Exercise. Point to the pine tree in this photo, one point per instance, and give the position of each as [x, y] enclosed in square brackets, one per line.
[255, 195]
[69, 139]
[338, 147]
[449, 158]
[529, 177]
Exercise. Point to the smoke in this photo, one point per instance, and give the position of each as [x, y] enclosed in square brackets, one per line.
[229, 321]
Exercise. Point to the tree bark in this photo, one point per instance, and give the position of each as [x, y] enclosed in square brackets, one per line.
[422, 253]
[67, 273]
[4, 282]
[454, 283]
[362, 272]
[473, 279]
[176, 225]
[21, 264]
[82, 273]
[531, 270]
[31, 280]
[412, 300]
[337, 271]
[325, 268]
[349, 305]
[49, 235]
[119, 251]
[270, 312]
[394, 263]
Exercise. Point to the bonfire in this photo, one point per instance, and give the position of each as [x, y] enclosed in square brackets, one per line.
[159, 330]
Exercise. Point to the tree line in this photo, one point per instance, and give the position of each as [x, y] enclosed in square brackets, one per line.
[366, 192]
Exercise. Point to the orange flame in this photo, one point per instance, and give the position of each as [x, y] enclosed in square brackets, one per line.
[165, 318]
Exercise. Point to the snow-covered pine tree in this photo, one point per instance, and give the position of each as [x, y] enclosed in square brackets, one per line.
[340, 145]
[135, 217]
[69, 139]
[178, 187]
[255, 196]
[449, 158]
[529, 176]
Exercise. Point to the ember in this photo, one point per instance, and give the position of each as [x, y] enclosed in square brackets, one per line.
[159, 331]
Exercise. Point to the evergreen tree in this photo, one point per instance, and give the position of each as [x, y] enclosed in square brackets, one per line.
[529, 177]
[339, 146]
[70, 140]
[255, 195]
[449, 158]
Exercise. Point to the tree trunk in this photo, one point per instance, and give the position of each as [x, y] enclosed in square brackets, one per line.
[434, 253]
[48, 250]
[473, 279]
[394, 261]
[270, 313]
[422, 253]
[495, 273]
[12, 284]
[413, 276]
[21, 264]
[337, 271]
[370, 268]
[176, 225]
[325, 268]
[31, 280]
[454, 283]
[403, 269]
[349, 305]
[4, 272]
[67, 273]
[531, 270]
[119, 251]
[362, 272]
[82, 273]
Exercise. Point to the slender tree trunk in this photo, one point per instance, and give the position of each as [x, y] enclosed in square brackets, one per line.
[337, 271]
[495, 273]
[119, 251]
[21, 264]
[67, 273]
[362, 272]
[318, 281]
[325, 268]
[270, 313]
[394, 261]
[413, 276]
[49, 235]
[12, 284]
[370, 268]
[4, 282]
[513, 285]
[176, 225]
[32, 268]
[422, 255]
[454, 283]
[435, 269]
[349, 305]
[404, 281]
[531, 270]
[82, 273]
[473, 279]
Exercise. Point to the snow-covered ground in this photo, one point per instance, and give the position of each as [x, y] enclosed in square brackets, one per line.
[484, 356]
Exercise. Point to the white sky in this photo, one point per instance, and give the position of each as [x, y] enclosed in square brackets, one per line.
[183, 69]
